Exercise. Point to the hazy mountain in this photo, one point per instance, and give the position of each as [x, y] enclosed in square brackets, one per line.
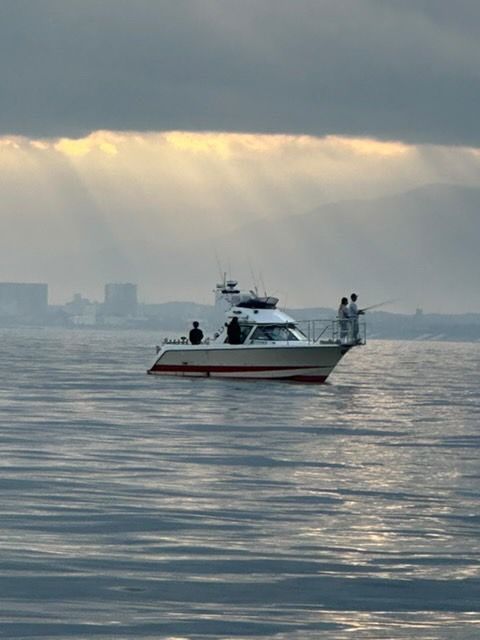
[420, 247]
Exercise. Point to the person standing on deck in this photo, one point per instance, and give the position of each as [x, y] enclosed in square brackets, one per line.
[234, 332]
[354, 312]
[343, 318]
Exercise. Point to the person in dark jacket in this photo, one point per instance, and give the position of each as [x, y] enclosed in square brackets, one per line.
[196, 334]
[233, 331]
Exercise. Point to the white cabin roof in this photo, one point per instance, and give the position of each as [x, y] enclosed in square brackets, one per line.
[259, 316]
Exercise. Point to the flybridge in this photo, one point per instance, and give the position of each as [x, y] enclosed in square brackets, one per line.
[229, 291]
[259, 303]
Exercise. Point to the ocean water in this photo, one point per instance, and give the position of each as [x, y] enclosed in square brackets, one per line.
[134, 506]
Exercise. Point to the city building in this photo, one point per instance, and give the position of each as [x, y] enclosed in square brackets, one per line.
[23, 300]
[81, 312]
[120, 300]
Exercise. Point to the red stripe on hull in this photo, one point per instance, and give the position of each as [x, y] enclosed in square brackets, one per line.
[318, 379]
[192, 368]
[213, 369]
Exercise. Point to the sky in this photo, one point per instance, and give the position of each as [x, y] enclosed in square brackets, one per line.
[135, 137]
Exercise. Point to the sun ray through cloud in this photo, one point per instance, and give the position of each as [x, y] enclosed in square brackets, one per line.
[124, 199]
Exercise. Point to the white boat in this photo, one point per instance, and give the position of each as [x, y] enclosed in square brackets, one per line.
[272, 345]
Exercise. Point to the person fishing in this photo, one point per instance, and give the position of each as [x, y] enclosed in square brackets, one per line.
[354, 312]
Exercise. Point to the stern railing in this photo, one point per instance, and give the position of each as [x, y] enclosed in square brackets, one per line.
[348, 332]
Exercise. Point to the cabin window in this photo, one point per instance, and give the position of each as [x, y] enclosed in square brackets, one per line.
[274, 334]
[244, 331]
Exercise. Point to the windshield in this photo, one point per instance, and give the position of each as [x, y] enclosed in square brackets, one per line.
[274, 334]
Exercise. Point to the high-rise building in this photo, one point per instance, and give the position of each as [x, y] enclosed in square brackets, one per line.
[120, 299]
[22, 299]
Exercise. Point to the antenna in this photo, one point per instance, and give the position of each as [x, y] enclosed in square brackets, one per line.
[219, 266]
[263, 286]
[252, 274]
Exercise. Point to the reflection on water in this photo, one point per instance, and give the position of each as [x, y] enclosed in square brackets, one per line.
[135, 506]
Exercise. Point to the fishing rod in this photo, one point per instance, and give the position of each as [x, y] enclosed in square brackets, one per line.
[379, 304]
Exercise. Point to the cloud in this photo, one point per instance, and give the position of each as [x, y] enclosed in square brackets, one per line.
[401, 70]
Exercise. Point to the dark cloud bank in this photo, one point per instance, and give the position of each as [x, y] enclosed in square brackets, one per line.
[393, 69]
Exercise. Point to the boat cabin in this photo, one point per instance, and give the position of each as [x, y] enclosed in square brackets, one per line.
[261, 322]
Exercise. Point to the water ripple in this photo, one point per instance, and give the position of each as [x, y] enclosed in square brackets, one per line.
[138, 507]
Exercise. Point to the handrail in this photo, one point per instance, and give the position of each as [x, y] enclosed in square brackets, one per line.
[348, 331]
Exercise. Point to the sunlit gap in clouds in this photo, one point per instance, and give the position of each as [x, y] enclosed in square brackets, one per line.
[127, 205]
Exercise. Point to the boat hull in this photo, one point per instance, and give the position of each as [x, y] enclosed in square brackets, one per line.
[303, 363]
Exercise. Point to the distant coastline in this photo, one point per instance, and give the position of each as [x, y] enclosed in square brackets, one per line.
[178, 316]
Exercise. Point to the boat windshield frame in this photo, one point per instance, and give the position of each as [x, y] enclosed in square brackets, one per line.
[277, 332]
